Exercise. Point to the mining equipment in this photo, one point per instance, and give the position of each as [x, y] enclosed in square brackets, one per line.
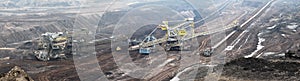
[147, 50]
[175, 35]
[173, 39]
[134, 42]
[52, 46]
[208, 52]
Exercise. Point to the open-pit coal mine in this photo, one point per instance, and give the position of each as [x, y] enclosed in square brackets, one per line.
[219, 40]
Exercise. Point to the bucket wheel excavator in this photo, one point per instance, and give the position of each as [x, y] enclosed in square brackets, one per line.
[171, 41]
[52, 46]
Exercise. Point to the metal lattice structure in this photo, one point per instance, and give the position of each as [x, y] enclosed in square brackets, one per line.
[51, 46]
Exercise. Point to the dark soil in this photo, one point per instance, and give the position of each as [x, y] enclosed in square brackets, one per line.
[261, 69]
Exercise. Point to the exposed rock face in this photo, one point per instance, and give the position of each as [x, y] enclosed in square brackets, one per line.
[16, 74]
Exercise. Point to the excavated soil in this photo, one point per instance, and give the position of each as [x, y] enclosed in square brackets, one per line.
[15, 74]
[261, 69]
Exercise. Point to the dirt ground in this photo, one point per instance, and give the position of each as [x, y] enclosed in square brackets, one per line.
[260, 69]
[265, 67]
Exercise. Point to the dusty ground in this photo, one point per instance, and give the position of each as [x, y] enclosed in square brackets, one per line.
[267, 66]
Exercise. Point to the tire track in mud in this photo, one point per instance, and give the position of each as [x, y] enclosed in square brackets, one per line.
[171, 71]
[164, 74]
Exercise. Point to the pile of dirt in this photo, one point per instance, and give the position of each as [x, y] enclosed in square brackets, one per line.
[15, 74]
[261, 69]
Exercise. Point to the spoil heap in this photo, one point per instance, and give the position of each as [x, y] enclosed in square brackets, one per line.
[15, 74]
[261, 69]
